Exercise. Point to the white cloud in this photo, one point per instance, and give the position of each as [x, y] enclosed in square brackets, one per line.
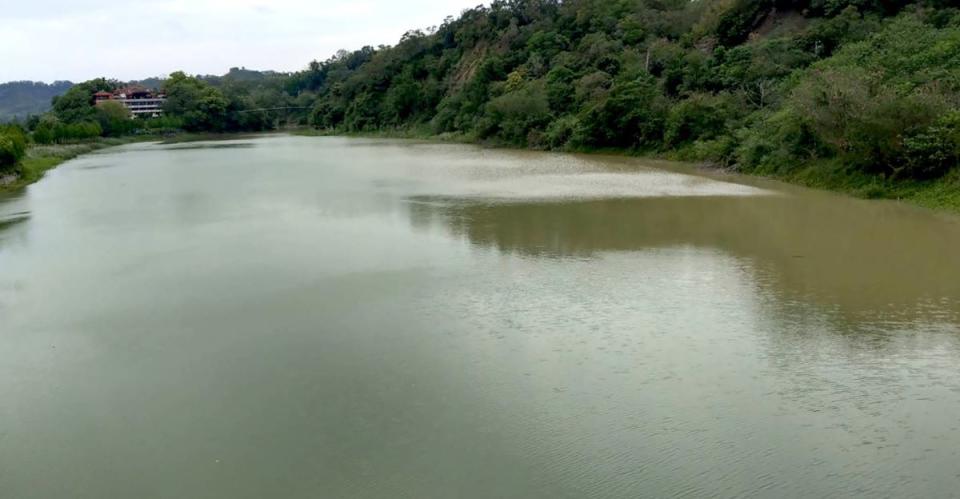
[63, 39]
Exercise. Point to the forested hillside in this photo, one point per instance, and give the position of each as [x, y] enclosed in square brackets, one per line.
[19, 99]
[859, 95]
[871, 87]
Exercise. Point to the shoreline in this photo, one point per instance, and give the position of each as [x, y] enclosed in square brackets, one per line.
[43, 158]
[940, 195]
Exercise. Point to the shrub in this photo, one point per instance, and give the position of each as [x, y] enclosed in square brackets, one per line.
[13, 146]
[866, 119]
[446, 115]
[720, 151]
[935, 150]
[736, 23]
[824, 37]
[632, 115]
[560, 91]
[77, 131]
[50, 130]
[700, 117]
[163, 123]
[561, 132]
[513, 115]
[114, 118]
[547, 43]
[43, 133]
[776, 143]
[592, 87]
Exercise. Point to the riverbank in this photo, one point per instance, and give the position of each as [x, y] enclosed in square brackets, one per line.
[43, 158]
[830, 175]
[939, 194]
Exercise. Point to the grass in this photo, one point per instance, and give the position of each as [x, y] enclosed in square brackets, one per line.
[939, 194]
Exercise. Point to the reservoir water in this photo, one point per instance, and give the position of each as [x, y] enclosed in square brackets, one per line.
[299, 317]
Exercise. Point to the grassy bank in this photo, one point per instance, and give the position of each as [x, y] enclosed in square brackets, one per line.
[42, 158]
[940, 194]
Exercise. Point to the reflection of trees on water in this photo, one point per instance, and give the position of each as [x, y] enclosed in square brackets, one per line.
[869, 262]
[11, 215]
[10, 221]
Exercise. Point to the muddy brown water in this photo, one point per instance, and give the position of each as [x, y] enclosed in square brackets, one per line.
[326, 317]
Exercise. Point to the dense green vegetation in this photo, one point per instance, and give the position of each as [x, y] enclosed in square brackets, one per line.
[858, 95]
[13, 146]
[861, 95]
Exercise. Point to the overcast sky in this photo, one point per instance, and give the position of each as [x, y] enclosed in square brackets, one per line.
[48, 40]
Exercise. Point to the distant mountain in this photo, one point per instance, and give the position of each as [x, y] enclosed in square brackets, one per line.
[244, 75]
[235, 75]
[19, 99]
[154, 83]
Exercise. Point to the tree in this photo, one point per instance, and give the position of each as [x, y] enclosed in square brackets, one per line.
[935, 150]
[13, 146]
[867, 120]
[45, 131]
[77, 105]
[632, 115]
[114, 118]
[699, 117]
[560, 91]
[200, 106]
[514, 115]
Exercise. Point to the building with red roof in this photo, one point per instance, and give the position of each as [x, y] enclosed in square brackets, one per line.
[139, 100]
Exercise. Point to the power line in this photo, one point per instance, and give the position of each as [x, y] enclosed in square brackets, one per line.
[270, 109]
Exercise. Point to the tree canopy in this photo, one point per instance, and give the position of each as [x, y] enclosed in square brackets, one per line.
[761, 84]
[13, 146]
